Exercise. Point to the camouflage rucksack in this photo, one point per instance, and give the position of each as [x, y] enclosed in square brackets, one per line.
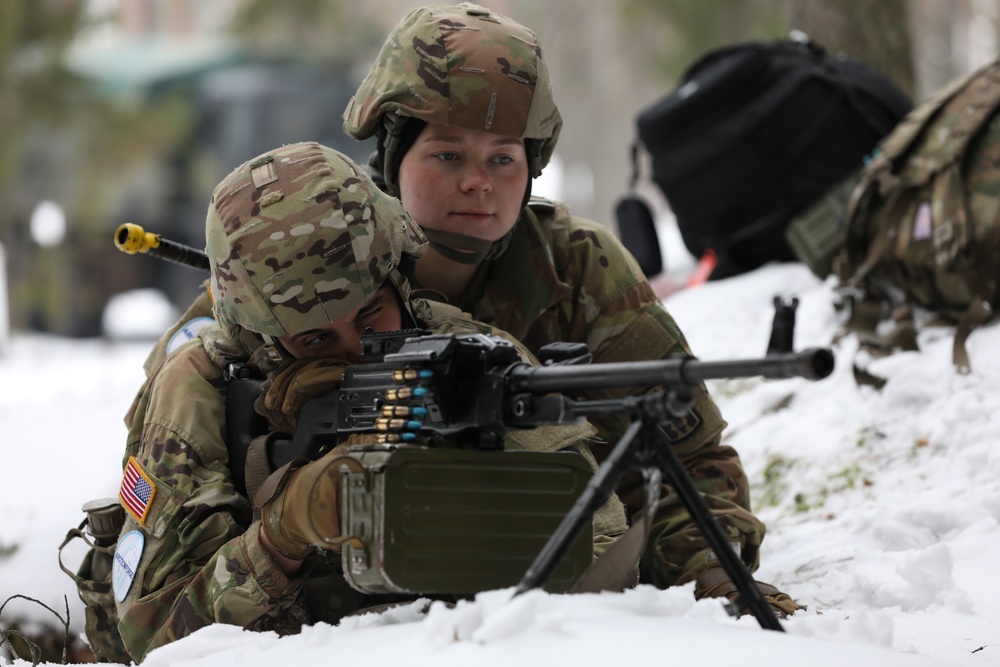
[923, 225]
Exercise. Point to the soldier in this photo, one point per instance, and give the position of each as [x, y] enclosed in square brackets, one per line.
[306, 253]
[461, 103]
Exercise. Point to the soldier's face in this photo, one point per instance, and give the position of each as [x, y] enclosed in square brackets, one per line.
[341, 339]
[471, 182]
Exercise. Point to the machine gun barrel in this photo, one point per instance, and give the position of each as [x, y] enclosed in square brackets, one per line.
[130, 238]
[812, 364]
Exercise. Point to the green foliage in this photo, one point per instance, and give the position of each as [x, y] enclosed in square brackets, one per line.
[851, 477]
[772, 490]
[775, 485]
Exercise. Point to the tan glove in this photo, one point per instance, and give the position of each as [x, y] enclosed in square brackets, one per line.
[713, 582]
[291, 385]
[301, 504]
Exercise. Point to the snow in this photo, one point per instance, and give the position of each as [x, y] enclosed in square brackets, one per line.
[119, 322]
[883, 510]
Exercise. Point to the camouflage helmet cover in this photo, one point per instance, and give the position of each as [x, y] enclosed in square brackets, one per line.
[460, 65]
[300, 236]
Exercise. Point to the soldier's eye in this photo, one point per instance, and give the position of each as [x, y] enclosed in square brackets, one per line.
[315, 339]
[372, 312]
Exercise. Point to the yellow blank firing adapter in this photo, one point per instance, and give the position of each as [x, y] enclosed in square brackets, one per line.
[131, 238]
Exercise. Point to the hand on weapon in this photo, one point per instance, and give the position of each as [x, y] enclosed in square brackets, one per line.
[301, 503]
[292, 385]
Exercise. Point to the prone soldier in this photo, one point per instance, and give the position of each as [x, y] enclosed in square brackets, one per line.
[306, 254]
[462, 106]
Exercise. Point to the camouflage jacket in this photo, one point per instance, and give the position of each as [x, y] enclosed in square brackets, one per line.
[202, 561]
[564, 278]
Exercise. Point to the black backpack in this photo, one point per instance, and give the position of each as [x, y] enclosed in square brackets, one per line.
[755, 133]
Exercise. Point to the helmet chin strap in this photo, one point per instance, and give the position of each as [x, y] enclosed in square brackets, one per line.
[459, 247]
[467, 249]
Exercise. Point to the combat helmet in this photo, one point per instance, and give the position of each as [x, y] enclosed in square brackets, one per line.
[460, 65]
[300, 236]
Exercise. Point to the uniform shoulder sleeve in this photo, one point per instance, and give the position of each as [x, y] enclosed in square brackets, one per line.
[616, 313]
[198, 559]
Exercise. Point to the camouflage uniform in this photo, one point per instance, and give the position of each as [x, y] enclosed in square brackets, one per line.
[585, 287]
[554, 277]
[203, 561]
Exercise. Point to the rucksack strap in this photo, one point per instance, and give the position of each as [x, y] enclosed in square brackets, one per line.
[617, 567]
[984, 270]
[257, 468]
[977, 313]
[865, 317]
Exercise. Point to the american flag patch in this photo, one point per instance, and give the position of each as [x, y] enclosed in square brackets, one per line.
[137, 491]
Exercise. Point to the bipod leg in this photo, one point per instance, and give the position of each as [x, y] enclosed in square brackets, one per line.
[750, 597]
[598, 490]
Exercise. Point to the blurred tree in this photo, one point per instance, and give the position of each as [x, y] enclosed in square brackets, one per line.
[680, 31]
[952, 38]
[324, 31]
[65, 143]
[34, 84]
[874, 32]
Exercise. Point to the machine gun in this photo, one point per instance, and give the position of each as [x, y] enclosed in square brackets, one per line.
[471, 391]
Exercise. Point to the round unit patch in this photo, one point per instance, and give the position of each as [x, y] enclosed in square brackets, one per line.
[187, 332]
[126, 562]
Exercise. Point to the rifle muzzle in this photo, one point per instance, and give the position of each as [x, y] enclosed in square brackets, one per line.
[130, 238]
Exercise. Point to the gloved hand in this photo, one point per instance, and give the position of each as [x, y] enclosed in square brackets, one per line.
[713, 582]
[291, 385]
[301, 504]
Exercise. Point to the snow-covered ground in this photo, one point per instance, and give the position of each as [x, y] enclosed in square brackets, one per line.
[883, 510]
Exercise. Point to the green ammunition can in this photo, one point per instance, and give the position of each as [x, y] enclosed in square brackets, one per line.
[457, 521]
